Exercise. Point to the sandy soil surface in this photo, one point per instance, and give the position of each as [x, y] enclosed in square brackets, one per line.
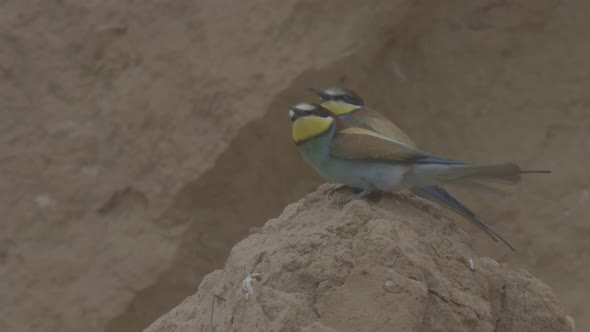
[364, 268]
[140, 141]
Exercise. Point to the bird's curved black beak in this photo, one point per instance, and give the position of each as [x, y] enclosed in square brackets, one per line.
[293, 113]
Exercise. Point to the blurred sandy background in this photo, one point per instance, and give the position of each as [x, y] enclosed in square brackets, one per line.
[140, 140]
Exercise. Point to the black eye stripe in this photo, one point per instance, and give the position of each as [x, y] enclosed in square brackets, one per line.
[350, 99]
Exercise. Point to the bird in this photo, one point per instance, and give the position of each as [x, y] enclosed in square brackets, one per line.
[351, 108]
[361, 157]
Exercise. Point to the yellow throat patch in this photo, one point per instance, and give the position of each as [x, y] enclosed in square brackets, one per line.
[310, 127]
[339, 108]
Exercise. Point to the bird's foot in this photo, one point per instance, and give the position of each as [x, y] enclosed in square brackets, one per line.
[402, 195]
[337, 189]
[360, 195]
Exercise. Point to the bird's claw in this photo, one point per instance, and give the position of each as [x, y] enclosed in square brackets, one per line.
[335, 190]
[360, 195]
[402, 195]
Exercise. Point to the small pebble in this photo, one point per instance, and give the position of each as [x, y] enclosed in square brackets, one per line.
[471, 264]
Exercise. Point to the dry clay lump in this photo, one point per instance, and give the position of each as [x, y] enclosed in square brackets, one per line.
[399, 265]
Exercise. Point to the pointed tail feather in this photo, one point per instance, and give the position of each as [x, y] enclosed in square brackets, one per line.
[483, 185]
[508, 172]
[441, 196]
[535, 172]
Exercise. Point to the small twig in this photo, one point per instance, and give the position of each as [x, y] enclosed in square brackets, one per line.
[215, 297]
[212, 314]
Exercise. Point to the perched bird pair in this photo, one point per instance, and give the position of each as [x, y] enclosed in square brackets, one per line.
[348, 143]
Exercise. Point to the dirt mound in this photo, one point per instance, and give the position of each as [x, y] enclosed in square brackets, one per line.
[386, 267]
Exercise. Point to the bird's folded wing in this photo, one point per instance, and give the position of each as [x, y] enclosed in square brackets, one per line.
[381, 124]
[355, 142]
